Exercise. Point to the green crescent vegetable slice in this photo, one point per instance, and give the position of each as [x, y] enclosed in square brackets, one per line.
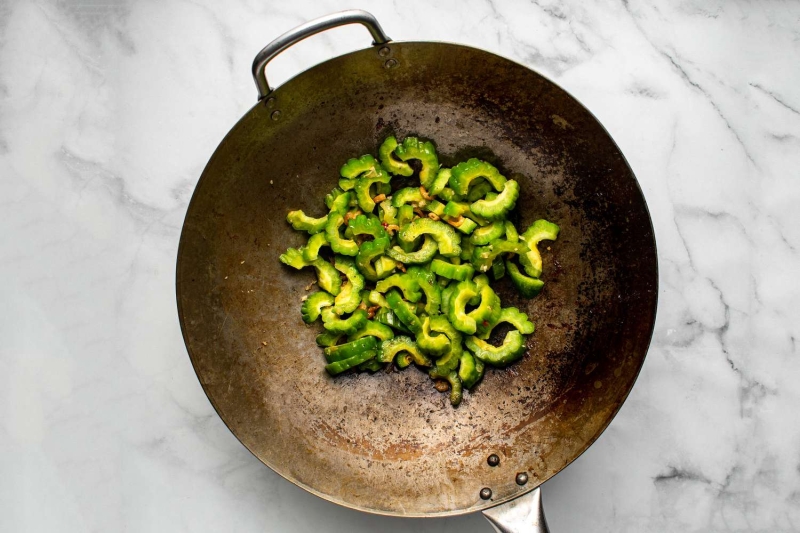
[384, 266]
[367, 253]
[403, 360]
[488, 311]
[302, 222]
[391, 348]
[408, 195]
[540, 230]
[425, 253]
[464, 173]
[405, 214]
[424, 151]
[513, 316]
[311, 249]
[512, 349]
[456, 390]
[489, 233]
[387, 213]
[350, 349]
[470, 369]
[349, 298]
[441, 181]
[430, 342]
[386, 316]
[328, 338]
[511, 231]
[527, 286]
[479, 190]
[363, 189]
[367, 225]
[449, 361]
[499, 206]
[389, 162]
[339, 203]
[312, 307]
[427, 283]
[483, 256]
[347, 326]
[457, 314]
[328, 277]
[339, 244]
[362, 167]
[448, 241]
[374, 329]
[405, 282]
[293, 257]
[404, 311]
[334, 369]
[451, 271]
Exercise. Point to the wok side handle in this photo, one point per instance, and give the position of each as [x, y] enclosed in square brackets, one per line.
[352, 16]
[522, 515]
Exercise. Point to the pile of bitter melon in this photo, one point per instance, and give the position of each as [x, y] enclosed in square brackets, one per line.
[406, 277]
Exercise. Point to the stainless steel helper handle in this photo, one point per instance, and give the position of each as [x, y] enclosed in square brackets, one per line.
[351, 16]
[522, 515]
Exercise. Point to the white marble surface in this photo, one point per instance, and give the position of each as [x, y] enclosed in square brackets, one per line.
[108, 113]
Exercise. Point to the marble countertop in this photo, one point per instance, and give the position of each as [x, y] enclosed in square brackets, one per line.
[110, 109]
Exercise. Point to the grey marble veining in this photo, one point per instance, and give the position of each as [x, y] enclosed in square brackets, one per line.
[108, 112]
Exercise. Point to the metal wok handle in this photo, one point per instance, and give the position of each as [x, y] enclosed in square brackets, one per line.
[523, 515]
[308, 29]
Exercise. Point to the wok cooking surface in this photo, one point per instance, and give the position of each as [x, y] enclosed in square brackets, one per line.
[389, 442]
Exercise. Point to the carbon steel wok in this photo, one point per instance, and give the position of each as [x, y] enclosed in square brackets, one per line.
[389, 443]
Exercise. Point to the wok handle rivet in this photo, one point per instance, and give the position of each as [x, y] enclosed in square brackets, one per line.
[269, 102]
[522, 478]
[493, 460]
[276, 114]
[390, 63]
[384, 51]
[486, 493]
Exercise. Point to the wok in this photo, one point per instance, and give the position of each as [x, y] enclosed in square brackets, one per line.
[389, 443]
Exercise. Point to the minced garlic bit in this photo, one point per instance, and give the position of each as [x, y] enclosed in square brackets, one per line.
[455, 221]
[379, 198]
[441, 385]
[351, 215]
[433, 216]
